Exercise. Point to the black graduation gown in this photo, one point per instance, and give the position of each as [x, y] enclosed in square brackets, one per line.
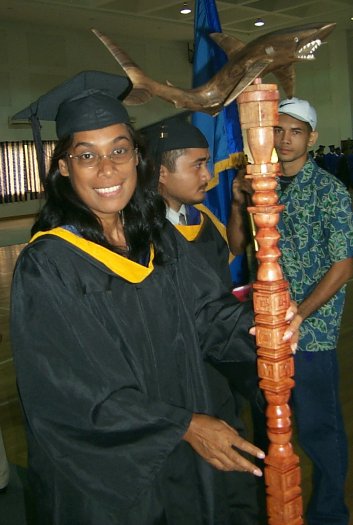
[109, 370]
[207, 239]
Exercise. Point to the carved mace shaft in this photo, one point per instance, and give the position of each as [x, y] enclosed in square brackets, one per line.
[258, 111]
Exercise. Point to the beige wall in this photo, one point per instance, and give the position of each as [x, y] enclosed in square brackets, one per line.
[36, 59]
[44, 57]
[327, 82]
[16, 220]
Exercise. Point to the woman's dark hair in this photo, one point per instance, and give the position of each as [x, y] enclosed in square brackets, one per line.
[144, 215]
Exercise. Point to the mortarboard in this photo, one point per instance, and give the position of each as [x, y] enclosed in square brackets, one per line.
[177, 134]
[173, 134]
[87, 101]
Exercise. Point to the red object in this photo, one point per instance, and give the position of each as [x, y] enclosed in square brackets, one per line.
[242, 292]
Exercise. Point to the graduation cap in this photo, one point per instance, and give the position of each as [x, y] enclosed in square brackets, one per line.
[87, 101]
[177, 134]
[171, 135]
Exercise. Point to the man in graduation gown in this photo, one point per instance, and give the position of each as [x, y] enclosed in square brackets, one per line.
[180, 154]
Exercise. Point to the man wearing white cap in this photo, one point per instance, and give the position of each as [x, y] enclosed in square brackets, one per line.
[316, 243]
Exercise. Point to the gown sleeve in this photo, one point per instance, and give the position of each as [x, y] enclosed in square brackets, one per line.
[222, 321]
[85, 416]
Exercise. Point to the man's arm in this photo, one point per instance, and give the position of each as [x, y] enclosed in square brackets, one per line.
[335, 277]
[238, 230]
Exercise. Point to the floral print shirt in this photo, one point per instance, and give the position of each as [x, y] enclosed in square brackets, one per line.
[316, 229]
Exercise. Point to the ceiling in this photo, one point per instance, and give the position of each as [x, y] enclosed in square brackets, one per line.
[162, 19]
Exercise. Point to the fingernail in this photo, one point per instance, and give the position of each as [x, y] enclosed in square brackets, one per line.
[287, 335]
[294, 347]
[289, 316]
[257, 472]
[260, 455]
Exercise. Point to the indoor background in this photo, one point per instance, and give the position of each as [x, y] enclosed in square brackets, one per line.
[45, 42]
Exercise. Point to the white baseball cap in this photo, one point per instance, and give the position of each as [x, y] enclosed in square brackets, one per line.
[300, 109]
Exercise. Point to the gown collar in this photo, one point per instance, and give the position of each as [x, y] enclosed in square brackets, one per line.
[129, 270]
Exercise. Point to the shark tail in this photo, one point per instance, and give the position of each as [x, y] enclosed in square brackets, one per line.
[140, 93]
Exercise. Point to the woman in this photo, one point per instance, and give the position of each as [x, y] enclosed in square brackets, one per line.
[111, 325]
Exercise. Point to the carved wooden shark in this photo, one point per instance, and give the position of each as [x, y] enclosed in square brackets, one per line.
[274, 52]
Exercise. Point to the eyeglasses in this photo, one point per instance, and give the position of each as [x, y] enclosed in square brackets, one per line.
[89, 159]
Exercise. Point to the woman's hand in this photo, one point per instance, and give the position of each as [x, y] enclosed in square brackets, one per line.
[217, 442]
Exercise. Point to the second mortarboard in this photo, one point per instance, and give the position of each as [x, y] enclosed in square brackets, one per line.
[177, 134]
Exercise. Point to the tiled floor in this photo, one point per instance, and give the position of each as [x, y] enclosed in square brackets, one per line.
[10, 414]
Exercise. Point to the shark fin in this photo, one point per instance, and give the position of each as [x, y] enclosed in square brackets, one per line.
[253, 72]
[286, 77]
[229, 44]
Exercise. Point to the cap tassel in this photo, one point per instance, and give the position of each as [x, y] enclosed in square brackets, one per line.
[39, 148]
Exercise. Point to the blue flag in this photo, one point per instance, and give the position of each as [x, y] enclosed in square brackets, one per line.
[223, 131]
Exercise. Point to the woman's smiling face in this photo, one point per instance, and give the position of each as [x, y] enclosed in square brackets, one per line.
[107, 186]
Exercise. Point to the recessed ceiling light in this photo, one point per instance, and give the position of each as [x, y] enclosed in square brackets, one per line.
[259, 22]
[185, 10]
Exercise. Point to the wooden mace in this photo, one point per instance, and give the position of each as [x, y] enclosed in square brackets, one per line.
[258, 111]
